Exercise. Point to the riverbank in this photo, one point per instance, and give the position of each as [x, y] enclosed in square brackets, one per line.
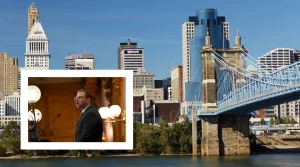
[270, 149]
[88, 156]
[282, 149]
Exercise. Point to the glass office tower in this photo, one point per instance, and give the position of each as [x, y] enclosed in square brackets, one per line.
[206, 19]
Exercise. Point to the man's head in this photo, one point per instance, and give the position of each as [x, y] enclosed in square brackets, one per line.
[83, 99]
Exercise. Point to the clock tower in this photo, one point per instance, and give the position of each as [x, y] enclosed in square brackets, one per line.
[37, 56]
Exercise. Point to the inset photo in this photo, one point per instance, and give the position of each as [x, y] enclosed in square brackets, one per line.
[73, 110]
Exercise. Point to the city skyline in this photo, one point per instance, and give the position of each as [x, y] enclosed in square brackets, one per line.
[99, 28]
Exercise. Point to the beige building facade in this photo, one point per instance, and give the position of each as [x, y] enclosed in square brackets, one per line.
[32, 12]
[80, 62]
[176, 83]
[142, 78]
[8, 75]
[155, 94]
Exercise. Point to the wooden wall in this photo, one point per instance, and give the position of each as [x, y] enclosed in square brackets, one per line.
[58, 98]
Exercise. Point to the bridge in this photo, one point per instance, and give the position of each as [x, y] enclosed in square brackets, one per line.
[230, 94]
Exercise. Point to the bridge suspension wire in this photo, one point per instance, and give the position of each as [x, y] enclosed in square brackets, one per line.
[238, 72]
[273, 76]
[257, 62]
[254, 86]
[268, 74]
[200, 67]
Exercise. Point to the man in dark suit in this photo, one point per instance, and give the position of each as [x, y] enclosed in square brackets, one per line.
[89, 127]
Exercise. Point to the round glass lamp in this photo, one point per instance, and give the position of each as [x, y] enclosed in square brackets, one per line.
[115, 111]
[34, 94]
[38, 115]
[104, 112]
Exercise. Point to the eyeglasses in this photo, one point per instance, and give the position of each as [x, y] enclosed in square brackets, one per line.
[78, 98]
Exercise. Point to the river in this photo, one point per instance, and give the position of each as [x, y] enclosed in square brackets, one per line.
[260, 160]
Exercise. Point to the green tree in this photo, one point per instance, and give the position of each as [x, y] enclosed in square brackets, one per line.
[2, 150]
[277, 121]
[262, 121]
[293, 121]
[165, 138]
[272, 121]
[185, 139]
[145, 138]
[286, 120]
[11, 137]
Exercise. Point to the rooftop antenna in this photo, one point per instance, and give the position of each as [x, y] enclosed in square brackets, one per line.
[128, 42]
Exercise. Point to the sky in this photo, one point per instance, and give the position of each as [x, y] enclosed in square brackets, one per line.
[97, 27]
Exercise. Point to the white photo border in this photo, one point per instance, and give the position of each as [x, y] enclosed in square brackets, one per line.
[26, 145]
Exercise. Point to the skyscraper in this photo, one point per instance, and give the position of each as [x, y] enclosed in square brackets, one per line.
[176, 83]
[37, 55]
[8, 75]
[269, 63]
[132, 59]
[123, 45]
[32, 12]
[187, 34]
[206, 19]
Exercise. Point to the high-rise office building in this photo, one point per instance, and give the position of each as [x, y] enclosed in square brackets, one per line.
[2, 108]
[165, 84]
[79, 62]
[176, 83]
[275, 59]
[37, 55]
[123, 45]
[8, 75]
[12, 105]
[225, 32]
[32, 12]
[187, 34]
[206, 19]
[143, 79]
[270, 62]
[132, 59]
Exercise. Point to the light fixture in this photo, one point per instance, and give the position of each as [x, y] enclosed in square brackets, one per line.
[34, 94]
[34, 115]
[104, 112]
[115, 111]
[112, 112]
[37, 113]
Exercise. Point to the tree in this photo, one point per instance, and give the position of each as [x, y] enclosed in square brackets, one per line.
[11, 137]
[145, 138]
[286, 120]
[277, 121]
[165, 138]
[2, 150]
[262, 121]
[185, 139]
[272, 121]
[293, 121]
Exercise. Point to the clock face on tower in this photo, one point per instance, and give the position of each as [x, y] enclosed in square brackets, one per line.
[38, 32]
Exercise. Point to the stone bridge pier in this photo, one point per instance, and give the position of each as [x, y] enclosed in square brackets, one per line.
[225, 135]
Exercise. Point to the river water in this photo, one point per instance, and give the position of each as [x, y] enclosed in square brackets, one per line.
[261, 160]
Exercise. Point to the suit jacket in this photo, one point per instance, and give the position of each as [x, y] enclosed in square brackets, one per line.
[89, 127]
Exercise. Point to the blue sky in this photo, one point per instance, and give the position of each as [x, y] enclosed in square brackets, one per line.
[97, 26]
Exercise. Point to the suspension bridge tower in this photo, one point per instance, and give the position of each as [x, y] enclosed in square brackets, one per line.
[222, 134]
